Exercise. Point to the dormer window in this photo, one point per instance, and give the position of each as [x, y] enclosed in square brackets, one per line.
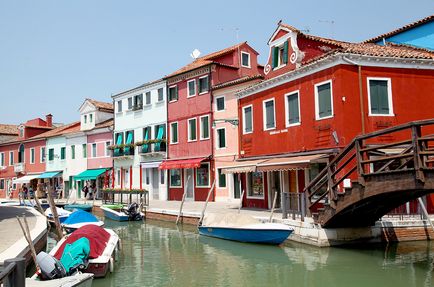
[245, 59]
[280, 55]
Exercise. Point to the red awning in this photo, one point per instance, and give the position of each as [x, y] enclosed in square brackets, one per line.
[181, 163]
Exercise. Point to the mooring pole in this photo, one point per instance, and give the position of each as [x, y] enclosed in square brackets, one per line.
[274, 205]
[241, 201]
[206, 203]
[182, 201]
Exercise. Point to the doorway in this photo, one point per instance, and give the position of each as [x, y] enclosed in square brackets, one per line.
[155, 184]
[189, 180]
[275, 187]
[237, 185]
[8, 188]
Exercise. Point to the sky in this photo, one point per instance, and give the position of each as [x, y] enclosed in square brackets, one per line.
[54, 54]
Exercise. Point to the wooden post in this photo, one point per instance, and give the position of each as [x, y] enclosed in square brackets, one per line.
[182, 201]
[359, 159]
[415, 134]
[39, 207]
[55, 215]
[27, 236]
[241, 201]
[206, 203]
[274, 205]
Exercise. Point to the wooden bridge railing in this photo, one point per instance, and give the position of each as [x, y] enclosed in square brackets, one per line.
[408, 147]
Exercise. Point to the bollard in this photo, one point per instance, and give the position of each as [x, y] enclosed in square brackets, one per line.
[17, 277]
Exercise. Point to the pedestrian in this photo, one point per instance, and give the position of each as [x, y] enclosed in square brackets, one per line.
[24, 191]
[85, 189]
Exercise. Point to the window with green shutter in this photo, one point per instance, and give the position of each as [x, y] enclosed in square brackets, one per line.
[174, 132]
[73, 152]
[191, 88]
[51, 154]
[192, 135]
[379, 97]
[324, 100]
[275, 57]
[292, 102]
[203, 85]
[269, 119]
[221, 138]
[173, 93]
[84, 146]
[62, 152]
[222, 178]
[247, 119]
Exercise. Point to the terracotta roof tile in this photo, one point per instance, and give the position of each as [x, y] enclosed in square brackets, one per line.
[65, 129]
[237, 81]
[104, 124]
[8, 129]
[102, 106]
[401, 29]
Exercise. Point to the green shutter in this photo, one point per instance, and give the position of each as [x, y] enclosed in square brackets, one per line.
[50, 154]
[379, 97]
[285, 53]
[275, 57]
[62, 153]
[293, 113]
[324, 100]
[145, 137]
[176, 92]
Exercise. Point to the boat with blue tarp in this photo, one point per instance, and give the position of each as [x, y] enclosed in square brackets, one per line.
[79, 218]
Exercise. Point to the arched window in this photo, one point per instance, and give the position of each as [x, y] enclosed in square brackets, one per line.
[21, 153]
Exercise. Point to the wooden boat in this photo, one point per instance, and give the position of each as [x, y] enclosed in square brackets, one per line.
[62, 213]
[119, 213]
[243, 228]
[104, 243]
[76, 280]
[79, 218]
[72, 207]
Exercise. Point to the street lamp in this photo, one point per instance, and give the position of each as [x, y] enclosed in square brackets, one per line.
[233, 122]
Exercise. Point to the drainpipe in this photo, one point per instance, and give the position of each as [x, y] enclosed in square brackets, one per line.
[212, 168]
[362, 108]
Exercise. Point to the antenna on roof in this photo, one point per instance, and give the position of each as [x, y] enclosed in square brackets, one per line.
[195, 54]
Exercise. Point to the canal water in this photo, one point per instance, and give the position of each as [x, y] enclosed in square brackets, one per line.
[156, 253]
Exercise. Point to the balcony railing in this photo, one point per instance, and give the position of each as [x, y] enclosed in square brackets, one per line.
[153, 147]
[125, 151]
[19, 167]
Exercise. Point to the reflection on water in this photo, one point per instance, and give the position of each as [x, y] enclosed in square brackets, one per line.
[161, 254]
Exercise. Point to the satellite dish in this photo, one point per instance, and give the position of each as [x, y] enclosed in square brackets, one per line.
[195, 54]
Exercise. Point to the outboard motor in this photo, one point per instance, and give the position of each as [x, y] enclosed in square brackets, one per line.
[133, 212]
[51, 268]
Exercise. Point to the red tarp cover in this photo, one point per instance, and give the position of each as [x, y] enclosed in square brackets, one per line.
[182, 163]
[97, 236]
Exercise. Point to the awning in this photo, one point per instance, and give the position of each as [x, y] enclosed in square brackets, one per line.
[153, 164]
[50, 174]
[242, 166]
[288, 163]
[181, 163]
[90, 174]
[26, 178]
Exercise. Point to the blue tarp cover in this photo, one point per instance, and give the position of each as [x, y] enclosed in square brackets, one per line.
[80, 216]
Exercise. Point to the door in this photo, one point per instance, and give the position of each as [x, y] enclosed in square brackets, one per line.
[237, 185]
[8, 188]
[155, 184]
[189, 178]
[275, 189]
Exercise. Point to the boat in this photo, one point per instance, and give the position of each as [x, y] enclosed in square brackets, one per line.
[62, 213]
[76, 280]
[79, 218]
[119, 213]
[104, 243]
[73, 206]
[243, 228]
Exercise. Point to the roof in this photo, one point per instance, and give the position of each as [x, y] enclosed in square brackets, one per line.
[401, 29]
[102, 106]
[8, 129]
[206, 60]
[65, 129]
[142, 86]
[104, 124]
[237, 81]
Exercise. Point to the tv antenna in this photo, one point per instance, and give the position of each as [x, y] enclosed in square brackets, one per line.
[195, 54]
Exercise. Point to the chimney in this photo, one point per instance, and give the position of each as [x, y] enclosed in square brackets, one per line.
[49, 120]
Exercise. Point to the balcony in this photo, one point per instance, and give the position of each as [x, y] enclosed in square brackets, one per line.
[153, 147]
[20, 167]
[137, 107]
[123, 151]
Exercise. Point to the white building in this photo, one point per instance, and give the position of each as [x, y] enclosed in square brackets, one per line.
[140, 117]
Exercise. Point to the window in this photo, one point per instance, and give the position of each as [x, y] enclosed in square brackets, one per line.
[380, 97]
[90, 118]
[146, 136]
[255, 184]
[147, 180]
[202, 175]
[62, 152]
[269, 115]
[222, 178]
[32, 155]
[245, 59]
[162, 172]
[107, 150]
[175, 178]
[148, 98]
[130, 103]
[119, 106]
[2, 184]
[160, 95]
[292, 109]
[204, 127]
[21, 130]
[85, 119]
[94, 150]
[173, 93]
[280, 55]
[11, 158]
[50, 154]
[160, 134]
[221, 138]
[192, 136]
[14, 185]
[220, 103]
[84, 147]
[72, 151]
[203, 85]
[42, 158]
[2, 159]
[191, 88]
[138, 102]
[174, 133]
[323, 100]
[247, 119]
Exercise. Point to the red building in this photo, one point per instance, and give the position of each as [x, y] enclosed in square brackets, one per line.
[317, 96]
[190, 148]
[22, 158]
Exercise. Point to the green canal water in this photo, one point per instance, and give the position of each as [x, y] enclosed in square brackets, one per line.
[160, 254]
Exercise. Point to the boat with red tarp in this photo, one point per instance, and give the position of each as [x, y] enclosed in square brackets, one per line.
[104, 243]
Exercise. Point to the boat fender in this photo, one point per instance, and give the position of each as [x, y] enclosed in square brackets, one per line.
[112, 265]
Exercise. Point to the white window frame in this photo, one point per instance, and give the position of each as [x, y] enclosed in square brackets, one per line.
[42, 156]
[200, 128]
[93, 155]
[218, 178]
[32, 159]
[264, 114]
[188, 88]
[248, 187]
[245, 53]
[224, 103]
[188, 129]
[168, 93]
[145, 104]
[117, 106]
[317, 102]
[170, 181]
[11, 158]
[389, 96]
[287, 124]
[162, 100]
[244, 120]
[171, 133]
[207, 91]
[209, 175]
[106, 145]
[218, 138]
